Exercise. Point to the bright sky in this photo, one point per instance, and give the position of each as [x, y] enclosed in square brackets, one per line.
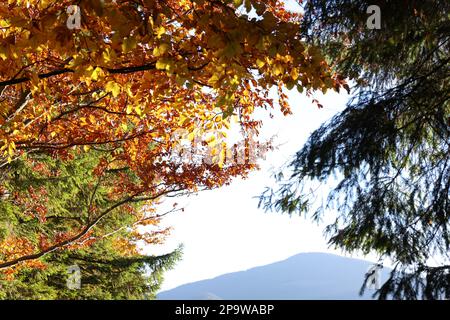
[223, 231]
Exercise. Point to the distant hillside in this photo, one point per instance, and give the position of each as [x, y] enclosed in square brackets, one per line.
[303, 276]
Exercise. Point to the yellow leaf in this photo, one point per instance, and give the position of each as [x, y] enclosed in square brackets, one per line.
[138, 110]
[161, 49]
[129, 109]
[160, 31]
[160, 64]
[237, 3]
[4, 23]
[96, 73]
[76, 61]
[164, 64]
[277, 69]
[128, 90]
[213, 79]
[11, 148]
[260, 63]
[222, 156]
[209, 125]
[113, 87]
[294, 74]
[235, 80]
[211, 140]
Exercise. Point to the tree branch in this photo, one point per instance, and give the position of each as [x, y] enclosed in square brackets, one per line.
[122, 70]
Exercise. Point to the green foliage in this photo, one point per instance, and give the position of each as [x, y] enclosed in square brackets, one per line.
[105, 275]
[58, 194]
[389, 149]
[46, 198]
[413, 35]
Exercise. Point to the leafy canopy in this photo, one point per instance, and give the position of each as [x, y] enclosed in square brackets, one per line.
[89, 117]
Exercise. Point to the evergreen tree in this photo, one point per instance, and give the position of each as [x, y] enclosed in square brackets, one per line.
[390, 148]
[104, 275]
[45, 200]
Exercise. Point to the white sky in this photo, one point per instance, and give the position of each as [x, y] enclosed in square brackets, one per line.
[223, 231]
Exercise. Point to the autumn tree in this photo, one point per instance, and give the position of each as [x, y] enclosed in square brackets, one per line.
[389, 149]
[91, 113]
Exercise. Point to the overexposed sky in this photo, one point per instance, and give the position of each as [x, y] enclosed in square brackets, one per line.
[223, 230]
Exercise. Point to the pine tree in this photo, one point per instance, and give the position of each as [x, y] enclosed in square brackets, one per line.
[47, 199]
[104, 275]
[390, 148]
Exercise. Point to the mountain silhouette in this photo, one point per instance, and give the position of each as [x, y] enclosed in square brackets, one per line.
[307, 276]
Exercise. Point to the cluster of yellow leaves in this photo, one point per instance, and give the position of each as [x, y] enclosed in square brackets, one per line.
[14, 247]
